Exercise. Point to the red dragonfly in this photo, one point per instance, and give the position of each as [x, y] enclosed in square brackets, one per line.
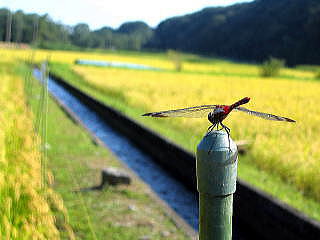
[216, 113]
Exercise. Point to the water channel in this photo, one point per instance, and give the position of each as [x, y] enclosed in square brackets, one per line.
[177, 196]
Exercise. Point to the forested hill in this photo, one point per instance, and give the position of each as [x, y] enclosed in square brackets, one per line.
[287, 29]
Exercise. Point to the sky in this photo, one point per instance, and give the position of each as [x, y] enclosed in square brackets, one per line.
[99, 13]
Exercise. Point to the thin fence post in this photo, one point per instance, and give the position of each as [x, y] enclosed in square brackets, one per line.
[217, 158]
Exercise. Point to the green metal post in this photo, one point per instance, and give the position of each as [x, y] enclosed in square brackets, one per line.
[216, 182]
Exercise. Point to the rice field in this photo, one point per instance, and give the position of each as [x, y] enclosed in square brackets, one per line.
[191, 64]
[26, 205]
[290, 151]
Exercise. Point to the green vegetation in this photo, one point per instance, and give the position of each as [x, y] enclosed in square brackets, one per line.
[271, 67]
[269, 182]
[176, 59]
[28, 206]
[312, 68]
[124, 212]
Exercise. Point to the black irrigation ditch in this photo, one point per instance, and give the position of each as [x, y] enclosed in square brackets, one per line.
[170, 171]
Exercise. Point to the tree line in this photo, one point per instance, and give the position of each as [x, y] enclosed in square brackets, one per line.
[254, 31]
[42, 31]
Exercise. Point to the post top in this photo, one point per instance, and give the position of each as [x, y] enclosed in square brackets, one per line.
[217, 164]
[217, 141]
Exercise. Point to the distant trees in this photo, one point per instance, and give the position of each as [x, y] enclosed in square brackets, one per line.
[18, 26]
[42, 31]
[138, 34]
[81, 35]
[131, 36]
[3, 23]
[102, 38]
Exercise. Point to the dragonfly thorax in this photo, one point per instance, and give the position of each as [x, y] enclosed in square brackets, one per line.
[217, 115]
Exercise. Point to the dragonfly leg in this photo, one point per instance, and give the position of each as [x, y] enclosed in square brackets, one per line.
[210, 129]
[221, 125]
[228, 132]
[225, 128]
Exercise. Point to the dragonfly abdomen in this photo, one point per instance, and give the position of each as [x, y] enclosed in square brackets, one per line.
[240, 102]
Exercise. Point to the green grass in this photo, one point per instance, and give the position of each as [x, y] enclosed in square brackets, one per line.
[125, 212]
[270, 183]
[312, 68]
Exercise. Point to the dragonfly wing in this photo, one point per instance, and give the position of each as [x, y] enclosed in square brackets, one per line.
[190, 112]
[264, 115]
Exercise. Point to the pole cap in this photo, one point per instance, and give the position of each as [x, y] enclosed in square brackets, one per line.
[217, 164]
